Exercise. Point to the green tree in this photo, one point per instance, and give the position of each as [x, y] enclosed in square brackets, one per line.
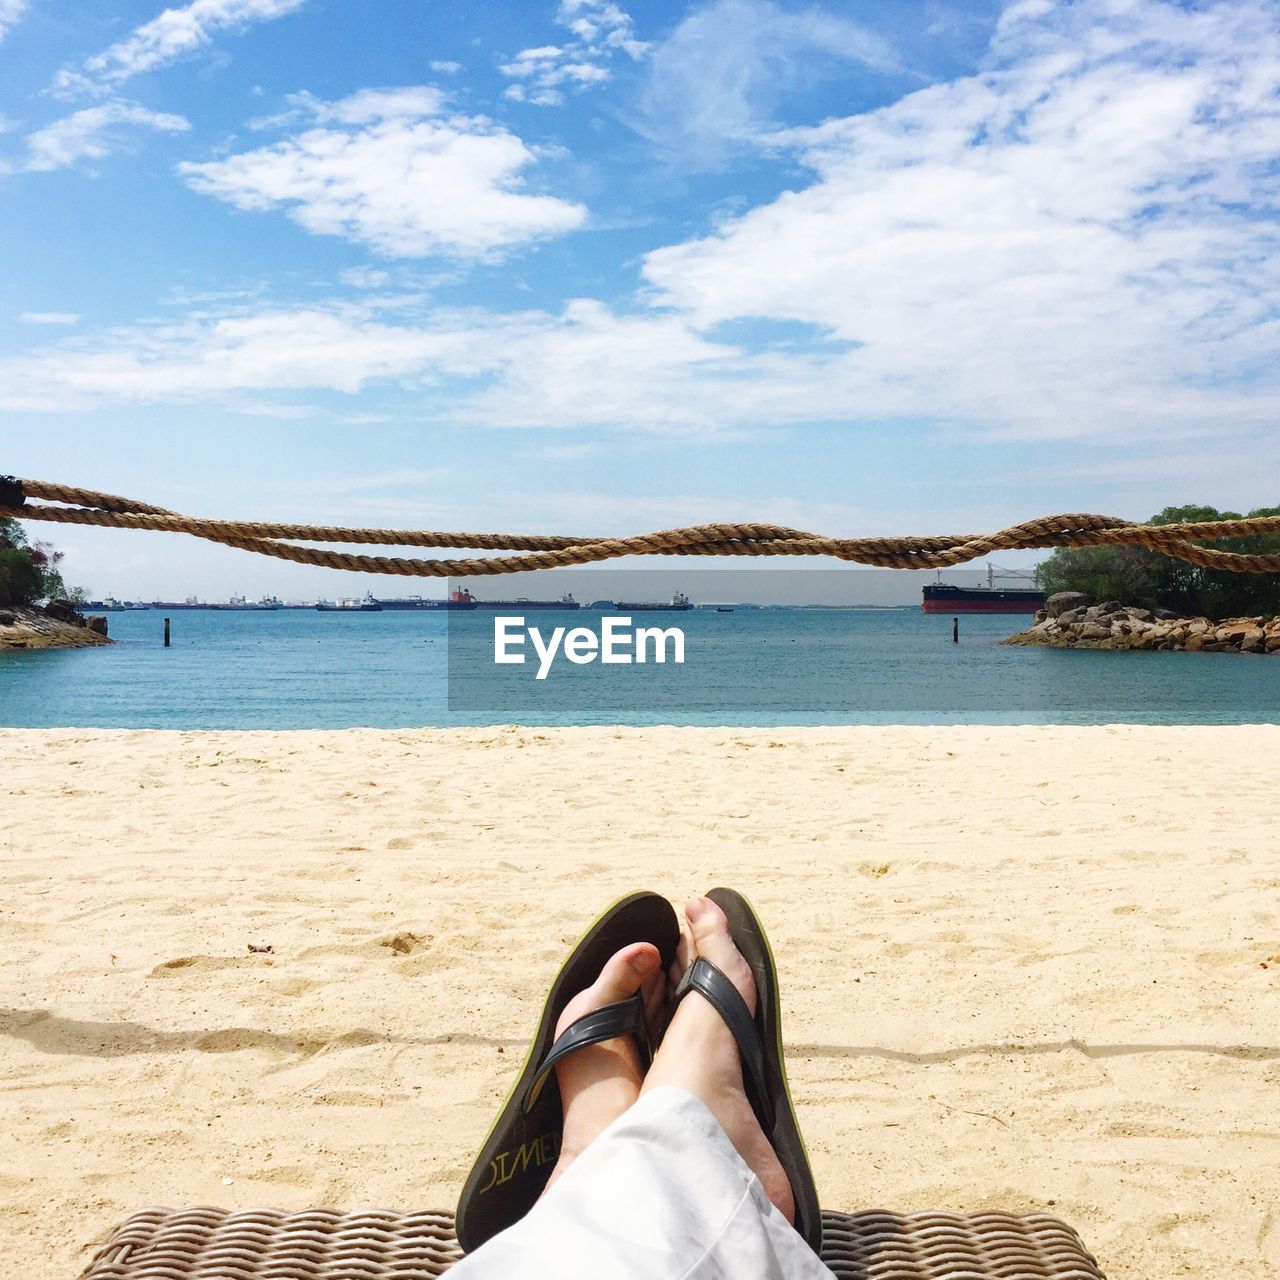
[29, 572]
[1102, 573]
[1136, 575]
[21, 583]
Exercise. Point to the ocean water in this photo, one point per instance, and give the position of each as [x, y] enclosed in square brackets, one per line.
[309, 670]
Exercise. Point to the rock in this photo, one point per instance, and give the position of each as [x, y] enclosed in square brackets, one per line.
[1061, 601]
[97, 624]
[1041, 615]
[62, 610]
[37, 629]
[1167, 615]
[6, 618]
[1108, 626]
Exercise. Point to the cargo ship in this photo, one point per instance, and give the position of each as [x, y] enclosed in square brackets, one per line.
[679, 603]
[520, 604]
[367, 605]
[239, 603]
[943, 597]
[456, 600]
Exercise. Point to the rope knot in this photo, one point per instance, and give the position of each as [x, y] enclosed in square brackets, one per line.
[11, 494]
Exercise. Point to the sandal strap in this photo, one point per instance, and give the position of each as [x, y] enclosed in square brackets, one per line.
[710, 982]
[624, 1018]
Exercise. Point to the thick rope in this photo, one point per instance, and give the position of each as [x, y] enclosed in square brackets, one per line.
[86, 506]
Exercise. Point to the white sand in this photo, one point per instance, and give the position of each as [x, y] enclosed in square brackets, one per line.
[1020, 967]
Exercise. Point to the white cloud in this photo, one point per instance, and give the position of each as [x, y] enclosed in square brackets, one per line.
[93, 133]
[396, 175]
[584, 367]
[559, 364]
[10, 12]
[364, 277]
[716, 81]
[169, 36]
[600, 31]
[445, 68]
[1082, 239]
[49, 317]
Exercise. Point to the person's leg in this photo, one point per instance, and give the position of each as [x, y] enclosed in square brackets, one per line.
[599, 1083]
[699, 1054]
[682, 1185]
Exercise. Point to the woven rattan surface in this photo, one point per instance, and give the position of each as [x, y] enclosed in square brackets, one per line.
[320, 1244]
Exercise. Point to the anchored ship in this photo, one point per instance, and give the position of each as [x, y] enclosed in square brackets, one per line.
[521, 603]
[679, 603]
[462, 599]
[944, 597]
[367, 605]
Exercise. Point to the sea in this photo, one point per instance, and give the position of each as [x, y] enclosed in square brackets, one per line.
[303, 669]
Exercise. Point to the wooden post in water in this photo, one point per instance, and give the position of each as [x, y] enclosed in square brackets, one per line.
[166, 633]
[955, 630]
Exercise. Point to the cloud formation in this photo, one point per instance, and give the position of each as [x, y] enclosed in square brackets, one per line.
[563, 363]
[1080, 239]
[715, 83]
[391, 172]
[10, 12]
[174, 33]
[50, 317]
[93, 133]
[600, 31]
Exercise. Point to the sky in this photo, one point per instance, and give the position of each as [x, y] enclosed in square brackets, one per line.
[569, 266]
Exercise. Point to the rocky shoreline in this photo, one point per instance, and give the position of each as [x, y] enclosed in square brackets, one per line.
[1069, 621]
[54, 627]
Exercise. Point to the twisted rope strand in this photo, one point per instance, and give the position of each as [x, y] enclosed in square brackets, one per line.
[546, 551]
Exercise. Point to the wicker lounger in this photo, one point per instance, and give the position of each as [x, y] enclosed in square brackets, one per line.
[320, 1244]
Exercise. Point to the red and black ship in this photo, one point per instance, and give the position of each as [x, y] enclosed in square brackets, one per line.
[943, 597]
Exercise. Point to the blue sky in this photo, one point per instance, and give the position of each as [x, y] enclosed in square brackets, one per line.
[580, 266]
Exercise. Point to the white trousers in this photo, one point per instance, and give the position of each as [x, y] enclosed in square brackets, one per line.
[660, 1195]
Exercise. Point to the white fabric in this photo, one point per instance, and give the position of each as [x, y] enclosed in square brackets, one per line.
[660, 1195]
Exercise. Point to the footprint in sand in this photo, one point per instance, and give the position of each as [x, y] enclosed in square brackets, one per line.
[875, 870]
[207, 964]
[405, 943]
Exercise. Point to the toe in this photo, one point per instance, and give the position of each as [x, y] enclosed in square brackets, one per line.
[622, 976]
[709, 931]
[624, 972]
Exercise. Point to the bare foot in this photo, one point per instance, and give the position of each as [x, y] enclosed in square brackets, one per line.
[599, 1083]
[699, 1054]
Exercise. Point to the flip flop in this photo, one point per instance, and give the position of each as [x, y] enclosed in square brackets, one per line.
[520, 1152]
[759, 1041]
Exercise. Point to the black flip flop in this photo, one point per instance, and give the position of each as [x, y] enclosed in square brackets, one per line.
[760, 1046]
[520, 1152]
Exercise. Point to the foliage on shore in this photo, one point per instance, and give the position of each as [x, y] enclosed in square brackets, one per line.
[1142, 577]
[29, 572]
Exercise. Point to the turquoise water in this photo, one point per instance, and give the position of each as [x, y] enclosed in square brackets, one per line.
[308, 670]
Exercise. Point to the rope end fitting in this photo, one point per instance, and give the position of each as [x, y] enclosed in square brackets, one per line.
[11, 493]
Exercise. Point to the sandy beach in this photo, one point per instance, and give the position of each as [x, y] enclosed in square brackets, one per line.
[1022, 968]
